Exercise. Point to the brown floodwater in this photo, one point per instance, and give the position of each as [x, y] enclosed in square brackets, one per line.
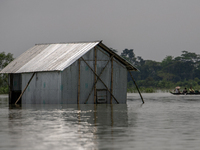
[164, 122]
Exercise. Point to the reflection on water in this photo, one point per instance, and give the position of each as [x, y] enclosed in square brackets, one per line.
[163, 122]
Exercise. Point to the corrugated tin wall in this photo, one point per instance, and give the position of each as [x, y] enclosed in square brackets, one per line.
[119, 82]
[17, 85]
[45, 88]
[69, 84]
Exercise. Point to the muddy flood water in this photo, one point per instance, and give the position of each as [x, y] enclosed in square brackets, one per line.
[164, 122]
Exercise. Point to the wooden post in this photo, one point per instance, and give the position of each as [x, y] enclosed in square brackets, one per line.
[10, 87]
[111, 80]
[79, 114]
[95, 70]
[79, 80]
[97, 80]
[100, 80]
[136, 86]
[111, 110]
[25, 88]
[95, 115]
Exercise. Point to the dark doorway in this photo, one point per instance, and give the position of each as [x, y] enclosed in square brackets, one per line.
[15, 88]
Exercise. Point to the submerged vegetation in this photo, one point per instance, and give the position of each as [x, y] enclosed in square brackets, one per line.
[142, 89]
[164, 86]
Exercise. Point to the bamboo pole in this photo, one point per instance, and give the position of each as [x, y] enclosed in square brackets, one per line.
[79, 114]
[136, 86]
[25, 88]
[95, 70]
[79, 80]
[112, 120]
[100, 80]
[111, 79]
[95, 115]
[97, 80]
[10, 88]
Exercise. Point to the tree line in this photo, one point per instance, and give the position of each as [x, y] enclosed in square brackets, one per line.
[172, 71]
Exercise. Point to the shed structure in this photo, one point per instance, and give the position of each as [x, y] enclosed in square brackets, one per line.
[68, 73]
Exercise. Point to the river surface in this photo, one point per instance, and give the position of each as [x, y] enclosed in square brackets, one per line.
[164, 122]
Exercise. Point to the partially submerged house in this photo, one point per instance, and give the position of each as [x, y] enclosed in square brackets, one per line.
[68, 73]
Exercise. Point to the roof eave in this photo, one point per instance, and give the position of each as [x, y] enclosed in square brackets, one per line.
[128, 65]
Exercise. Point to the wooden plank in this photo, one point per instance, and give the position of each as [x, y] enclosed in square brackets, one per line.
[25, 88]
[136, 86]
[100, 80]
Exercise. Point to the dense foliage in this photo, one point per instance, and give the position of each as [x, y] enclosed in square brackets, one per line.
[181, 71]
[5, 59]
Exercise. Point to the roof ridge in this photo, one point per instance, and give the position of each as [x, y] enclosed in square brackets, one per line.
[99, 41]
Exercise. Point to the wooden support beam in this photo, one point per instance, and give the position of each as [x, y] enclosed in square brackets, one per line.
[136, 86]
[79, 80]
[100, 80]
[95, 115]
[79, 114]
[25, 88]
[10, 87]
[111, 79]
[97, 80]
[112, 120]
[95, 70]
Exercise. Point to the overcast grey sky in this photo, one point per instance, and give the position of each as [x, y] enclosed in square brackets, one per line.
[153, 28]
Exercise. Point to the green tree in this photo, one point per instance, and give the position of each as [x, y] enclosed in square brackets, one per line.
[168, 60]
[5, 59]
[129, 55]
[139, 61]
[191, 57]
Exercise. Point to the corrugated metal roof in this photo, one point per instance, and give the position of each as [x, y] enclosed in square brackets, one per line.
[48, 57]
[53, 57]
